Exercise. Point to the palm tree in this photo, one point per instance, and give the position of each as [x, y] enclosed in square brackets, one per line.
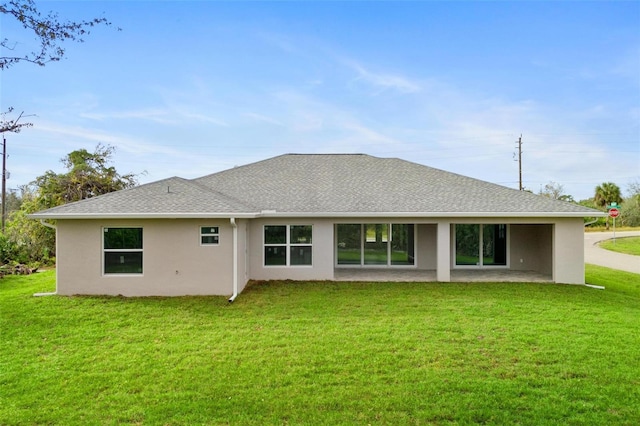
[605, 194]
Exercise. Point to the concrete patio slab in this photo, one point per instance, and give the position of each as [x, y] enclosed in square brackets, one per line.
[457, 275]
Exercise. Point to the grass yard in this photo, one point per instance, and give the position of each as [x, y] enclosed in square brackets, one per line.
[627, 245]
[325, 353]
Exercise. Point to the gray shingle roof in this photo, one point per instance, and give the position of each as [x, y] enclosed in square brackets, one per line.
[167, 197]
[322, 184]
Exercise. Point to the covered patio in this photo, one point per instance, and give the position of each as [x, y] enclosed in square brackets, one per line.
[419, 275]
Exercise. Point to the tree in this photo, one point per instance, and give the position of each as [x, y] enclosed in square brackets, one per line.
[630, 211]
[49, 31]
[88, 175]
[27, 241]
[605, 194]
[633, 188]
[555, 191]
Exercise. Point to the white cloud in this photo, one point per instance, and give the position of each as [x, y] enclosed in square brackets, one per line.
[262, 118]
[382, 81]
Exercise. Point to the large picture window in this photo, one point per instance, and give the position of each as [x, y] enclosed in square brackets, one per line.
[481, 245]
[288, 245]
[122, 249]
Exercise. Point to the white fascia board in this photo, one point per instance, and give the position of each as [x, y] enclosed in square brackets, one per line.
[143, 216]
[432, 214]
[275, 214]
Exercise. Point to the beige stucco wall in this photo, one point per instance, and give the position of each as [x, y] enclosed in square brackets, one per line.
[426, 246]
[568, 251]
[322, 258]
[531, 248]
[174, 262]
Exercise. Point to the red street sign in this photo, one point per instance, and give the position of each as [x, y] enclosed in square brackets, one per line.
[614, 212]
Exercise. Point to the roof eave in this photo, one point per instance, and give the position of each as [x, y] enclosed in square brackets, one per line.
[63, 216]
[276, 214]
[432, 214]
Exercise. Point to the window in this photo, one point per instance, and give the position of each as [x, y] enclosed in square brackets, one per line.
[384, 244]
[122, 249]
[481, 245]
[287, 245]
[209, 235]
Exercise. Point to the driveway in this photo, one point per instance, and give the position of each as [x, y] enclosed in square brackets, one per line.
[597, 256]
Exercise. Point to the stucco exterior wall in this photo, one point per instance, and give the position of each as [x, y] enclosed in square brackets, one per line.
[568, 251]
[531, 248]
[426, 246]
[322, 257]
[174, 262]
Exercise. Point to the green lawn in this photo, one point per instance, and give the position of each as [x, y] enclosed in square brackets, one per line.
[627, 245]
[325, 353]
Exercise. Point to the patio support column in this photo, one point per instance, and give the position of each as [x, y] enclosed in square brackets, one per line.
[443, 266]
[568, 251]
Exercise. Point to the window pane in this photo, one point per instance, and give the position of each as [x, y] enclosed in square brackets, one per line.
[123, 262]
[275, 234]
[122, 238]
[467, 244]
[494, 245]
[209, 239]
[301, 255]
[300, 234]
[375, 245]
[275, 255]
[349, 244]
[209, 230]
[402, 244]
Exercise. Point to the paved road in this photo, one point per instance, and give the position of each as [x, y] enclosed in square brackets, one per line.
[598, 256]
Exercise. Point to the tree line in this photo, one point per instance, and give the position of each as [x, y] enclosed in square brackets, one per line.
[87, 175]
[604, 195]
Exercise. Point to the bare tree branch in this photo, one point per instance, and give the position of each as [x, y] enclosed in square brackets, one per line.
[48, 29]
[12, 125]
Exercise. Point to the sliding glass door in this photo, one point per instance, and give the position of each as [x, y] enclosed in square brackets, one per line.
[494, 245]
[402, 244]
[349, 244]
[375, 244]
[481, 245]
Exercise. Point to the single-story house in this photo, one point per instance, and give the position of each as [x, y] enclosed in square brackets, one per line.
[309, 217]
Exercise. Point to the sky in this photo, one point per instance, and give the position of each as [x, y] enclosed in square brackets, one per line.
[189, 88]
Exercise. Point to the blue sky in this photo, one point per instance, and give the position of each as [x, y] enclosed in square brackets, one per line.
[191, 88]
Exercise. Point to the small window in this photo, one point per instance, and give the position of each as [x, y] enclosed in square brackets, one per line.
[122, 249]
[209, 235]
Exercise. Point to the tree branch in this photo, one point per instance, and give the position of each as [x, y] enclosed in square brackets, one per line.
[49, 31]
[12, 125]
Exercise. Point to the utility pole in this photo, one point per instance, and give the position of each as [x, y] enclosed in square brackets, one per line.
[520, 162]
[4, 180]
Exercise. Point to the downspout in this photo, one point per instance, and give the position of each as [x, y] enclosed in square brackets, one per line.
[591, 223]
[48, 225]
[235, 260]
